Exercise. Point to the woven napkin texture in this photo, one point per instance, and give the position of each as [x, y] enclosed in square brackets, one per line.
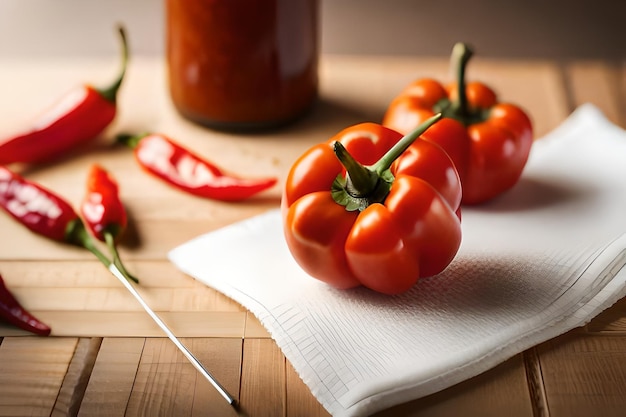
[543, 258]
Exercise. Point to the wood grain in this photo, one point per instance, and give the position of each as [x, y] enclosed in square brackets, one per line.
[75, 382]
[166, 383]
[611, 321]
[300, 401]
[600, 83]
[129, 324]
[262, 379]
[32, 372]
[584, 374]
[112, 378]
[223, 358]
[502, 391]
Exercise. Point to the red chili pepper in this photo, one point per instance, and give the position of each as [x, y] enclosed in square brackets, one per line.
[103, 210]
[385, 223]
[44, 212]
[77, 117]
[160, 156]
[12, 312]
[488, 141]
[37, 208]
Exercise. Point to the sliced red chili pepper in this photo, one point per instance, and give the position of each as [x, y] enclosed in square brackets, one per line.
[40, 210]
[77, 117]
[44, 212]
[160, 156]
[104, 212]
[12, 312]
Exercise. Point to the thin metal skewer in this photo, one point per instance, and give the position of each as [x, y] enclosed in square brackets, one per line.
[172, 337]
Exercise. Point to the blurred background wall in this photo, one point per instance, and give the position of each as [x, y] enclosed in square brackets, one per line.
[505, 28]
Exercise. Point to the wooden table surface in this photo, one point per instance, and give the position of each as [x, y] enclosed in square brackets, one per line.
[105, 357]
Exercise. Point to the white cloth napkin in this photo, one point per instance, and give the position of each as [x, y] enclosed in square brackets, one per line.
[544, 258]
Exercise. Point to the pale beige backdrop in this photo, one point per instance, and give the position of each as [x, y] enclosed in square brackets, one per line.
[499, 28]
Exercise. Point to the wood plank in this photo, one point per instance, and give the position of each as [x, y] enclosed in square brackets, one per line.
[72, 285]
[167, 384]
[585, 375]
[262, 379]
[300, 401]
[119, 299]
[536, 388]
[112, 378]
[75, 382]
[222, 357]
[611, 321]
[501, 391]
[254, 328]
[599, 83]
[32, 373]
[156, 273]
[129, 324]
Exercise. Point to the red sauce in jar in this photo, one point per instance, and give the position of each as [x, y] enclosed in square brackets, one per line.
[242, 64]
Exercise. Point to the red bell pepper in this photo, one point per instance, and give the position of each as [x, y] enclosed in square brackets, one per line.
[103, 211]
[45, 213]
[488, 141]
[163, 158]
[12, 312]
[370, 207]
[77, 117]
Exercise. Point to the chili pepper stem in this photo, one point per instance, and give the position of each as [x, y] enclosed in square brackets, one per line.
[110, 92]
[130, 140]
[109, 238]
[77, 234]
[461, 54]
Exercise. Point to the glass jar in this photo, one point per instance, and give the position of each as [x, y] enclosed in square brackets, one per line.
[242, 64]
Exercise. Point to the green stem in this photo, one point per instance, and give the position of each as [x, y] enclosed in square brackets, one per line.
[363, 186]
[402, 145]
[117, 261]
[77, 235]
[362, 179]
[130, 140]
[110, 92]
[461, 54]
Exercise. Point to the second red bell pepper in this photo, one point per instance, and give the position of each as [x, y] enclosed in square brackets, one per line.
[370, 207]
[488, 141]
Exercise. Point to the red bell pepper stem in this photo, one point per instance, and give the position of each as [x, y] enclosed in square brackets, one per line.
[367, 185]
[12, 312]
[403, 144]
[44, 212]
[461, 54]
[78, 117]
